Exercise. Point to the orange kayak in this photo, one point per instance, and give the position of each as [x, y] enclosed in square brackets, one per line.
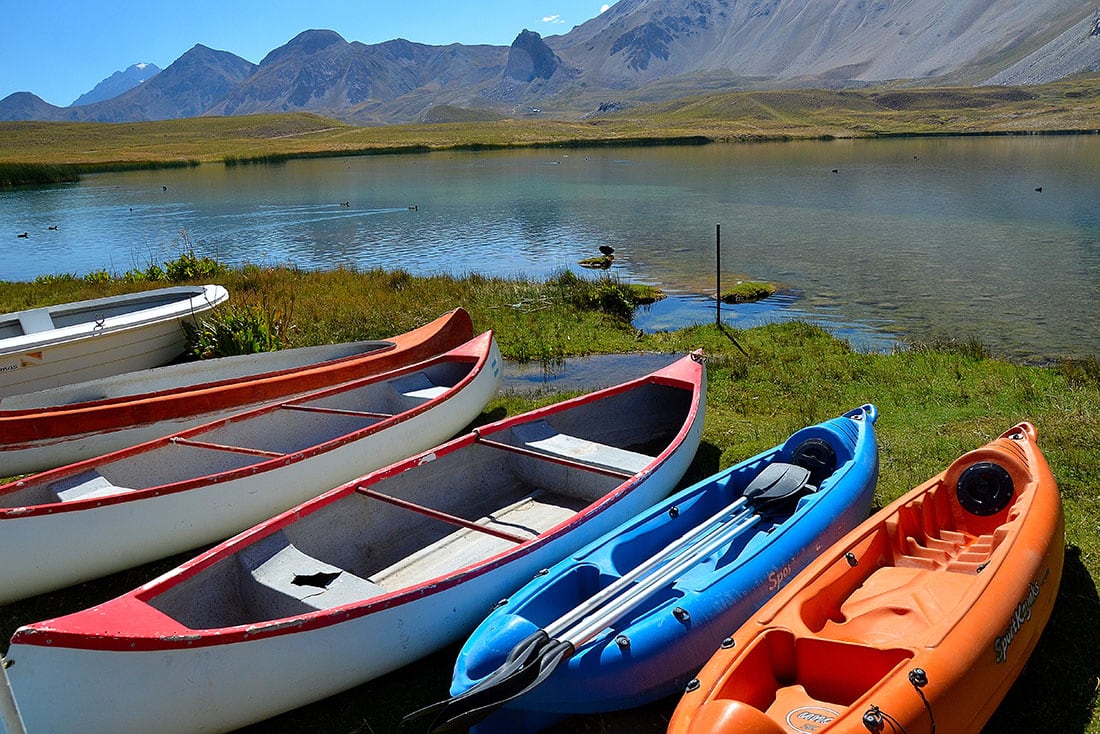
[918, 620]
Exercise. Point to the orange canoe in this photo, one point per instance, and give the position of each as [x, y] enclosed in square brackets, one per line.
[69, 424]
[919, 620]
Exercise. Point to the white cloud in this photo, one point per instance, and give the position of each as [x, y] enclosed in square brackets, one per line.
[552, 19]
[604, 7]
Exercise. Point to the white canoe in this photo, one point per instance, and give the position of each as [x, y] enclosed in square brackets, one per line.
[45, 347]
[63, 425]
[202, 485]
[365, 578]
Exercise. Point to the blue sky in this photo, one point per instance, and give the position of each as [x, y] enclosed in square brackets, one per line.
[61, 49]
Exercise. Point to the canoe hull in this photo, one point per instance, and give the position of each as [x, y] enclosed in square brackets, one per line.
[99, 347]
[960, 598]
[674, 632]
[220, 688]
[218, 680]
[65, 425]
[49, 550]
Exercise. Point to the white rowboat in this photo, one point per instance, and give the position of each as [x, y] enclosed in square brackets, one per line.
[57, 345]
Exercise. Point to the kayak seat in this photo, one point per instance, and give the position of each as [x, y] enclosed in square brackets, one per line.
[36, 320]
[86, 485]
[282, 581]
[544, 438]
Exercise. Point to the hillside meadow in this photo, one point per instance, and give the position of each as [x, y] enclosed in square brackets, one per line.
[937, 401]
[31, 151]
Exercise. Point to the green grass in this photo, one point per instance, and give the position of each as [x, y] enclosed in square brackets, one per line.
[1067, 106]
[936, 401]
[747, 291]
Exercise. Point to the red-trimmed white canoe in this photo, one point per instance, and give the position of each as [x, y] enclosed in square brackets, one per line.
[63, 425]
[57, 345]
[917, 621]
[204, 484]
[365, 578]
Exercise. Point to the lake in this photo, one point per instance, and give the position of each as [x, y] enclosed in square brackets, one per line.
[878, 240]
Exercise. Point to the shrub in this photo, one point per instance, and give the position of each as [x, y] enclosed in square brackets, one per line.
[98, 276]
[238, 330]
[190, 267]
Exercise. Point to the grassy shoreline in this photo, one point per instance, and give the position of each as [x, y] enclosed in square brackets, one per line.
[936, 402]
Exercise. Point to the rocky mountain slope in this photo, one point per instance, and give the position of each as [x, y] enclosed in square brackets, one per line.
[636, 50]
[117, 83]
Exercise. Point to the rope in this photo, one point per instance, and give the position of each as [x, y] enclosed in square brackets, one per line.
[875, 718]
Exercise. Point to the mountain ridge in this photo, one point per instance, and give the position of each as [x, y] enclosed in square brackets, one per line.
[118, 83]
[636, 51]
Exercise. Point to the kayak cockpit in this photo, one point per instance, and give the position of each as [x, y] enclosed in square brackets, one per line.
[914, 574]
[804, 681]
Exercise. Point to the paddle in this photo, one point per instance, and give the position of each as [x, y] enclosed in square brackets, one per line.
[536, 657]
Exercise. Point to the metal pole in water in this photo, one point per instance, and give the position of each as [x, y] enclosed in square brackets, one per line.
[717, 275]
[9, 711]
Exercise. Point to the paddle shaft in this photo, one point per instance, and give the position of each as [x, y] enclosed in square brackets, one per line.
[589, 628]
[697, 533]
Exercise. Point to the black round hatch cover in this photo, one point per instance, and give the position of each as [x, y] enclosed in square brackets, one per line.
[984, 488]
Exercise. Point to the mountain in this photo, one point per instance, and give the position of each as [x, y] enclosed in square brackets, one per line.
[117, 83]
[319, 71]
[833, 42]
[189, 87]
[27, 106]
[637, 50]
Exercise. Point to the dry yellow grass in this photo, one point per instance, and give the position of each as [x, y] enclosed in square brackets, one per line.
[1069, 106]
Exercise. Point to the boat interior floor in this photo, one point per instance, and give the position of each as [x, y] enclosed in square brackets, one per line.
[327, 559]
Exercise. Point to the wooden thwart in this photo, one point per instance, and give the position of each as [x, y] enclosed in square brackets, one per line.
[440, 515]
[224, 447]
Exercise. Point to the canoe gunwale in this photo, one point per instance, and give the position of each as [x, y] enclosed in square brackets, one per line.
[32, 428]
[77, 409]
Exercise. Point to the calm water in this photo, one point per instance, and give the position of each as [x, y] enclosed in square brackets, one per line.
[877, 240]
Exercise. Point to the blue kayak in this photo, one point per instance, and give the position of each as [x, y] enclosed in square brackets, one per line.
[631, 617]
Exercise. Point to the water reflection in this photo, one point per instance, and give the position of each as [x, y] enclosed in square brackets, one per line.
[926, 238]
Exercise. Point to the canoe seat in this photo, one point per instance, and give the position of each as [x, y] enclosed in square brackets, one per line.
[494, 532]
[541, 436]
[87, 485]
[288, 581]
[35, 320]
[418, 386]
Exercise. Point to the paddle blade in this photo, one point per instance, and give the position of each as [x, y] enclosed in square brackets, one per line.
[525, 672]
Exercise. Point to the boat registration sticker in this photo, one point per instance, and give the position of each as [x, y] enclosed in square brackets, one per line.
[810, 718]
